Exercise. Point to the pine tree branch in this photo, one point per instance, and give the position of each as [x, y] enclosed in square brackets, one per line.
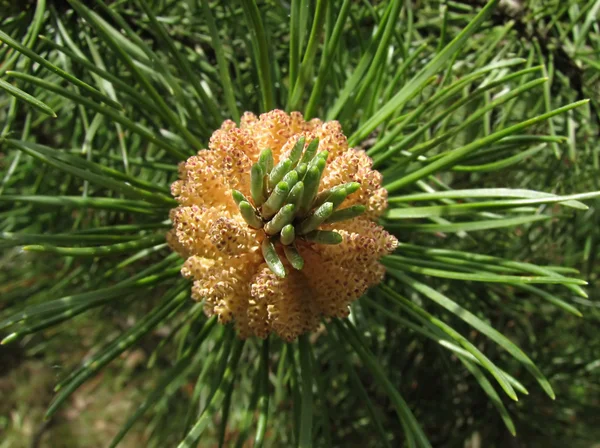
[550, 46]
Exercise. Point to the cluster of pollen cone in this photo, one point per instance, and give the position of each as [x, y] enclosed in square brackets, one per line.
[275, 221]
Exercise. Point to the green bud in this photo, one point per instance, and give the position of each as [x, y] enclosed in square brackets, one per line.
[322, 155]
[288, 234]
[310, 152]
[297, 151]
[257, 183]
[276, 200]
[315, 219]
[301, 170]
[294, 257]
[346, 213]
[265, 160]
[351, 187]
[238, 197]
[324, 237]
[337, 197]
[272, 259]
[326, 195]
[282, 218]
[311, 186]
[291, 178]
[250, 215]
[280, 170]
[296, 194]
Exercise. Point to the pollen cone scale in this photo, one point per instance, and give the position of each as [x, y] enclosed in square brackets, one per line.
[276, 223]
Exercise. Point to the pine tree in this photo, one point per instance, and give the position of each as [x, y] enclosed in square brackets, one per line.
[478, 118]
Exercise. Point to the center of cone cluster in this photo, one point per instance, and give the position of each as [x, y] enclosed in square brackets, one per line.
[285, 203]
